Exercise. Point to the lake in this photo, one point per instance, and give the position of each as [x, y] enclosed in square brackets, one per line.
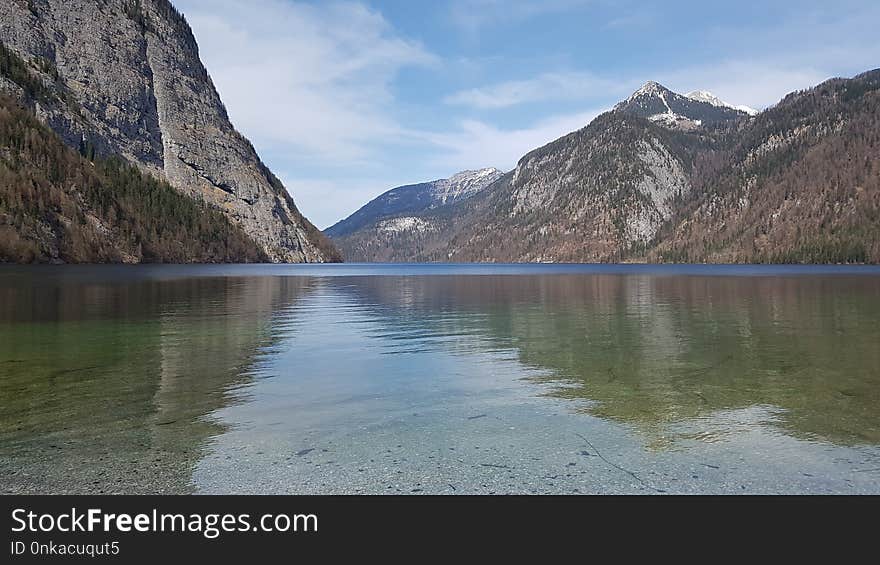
[442, 379]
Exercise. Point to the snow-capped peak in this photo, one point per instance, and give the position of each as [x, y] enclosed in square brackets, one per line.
[464, 184]
[650, 88]
[709, 98]
[474, 175]
[747, 109]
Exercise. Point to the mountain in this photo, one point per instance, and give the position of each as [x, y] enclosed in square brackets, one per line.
[709, 98]
[415, 198]
[797, 182]
[57, 205]
[591, 196]
[398, 214]
[800, 183]
[123, 78]
[659, 104]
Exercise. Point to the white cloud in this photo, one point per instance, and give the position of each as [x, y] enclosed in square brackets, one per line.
[477, 144]
[314, 79]
[752, 83]
[767, 62]
[546, 86]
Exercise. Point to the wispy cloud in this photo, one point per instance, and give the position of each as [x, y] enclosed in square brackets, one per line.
[764, 63]
[753, 83]
[757, 83]
[472, 15]
[473, 143]
[544, 87]
[313, 78]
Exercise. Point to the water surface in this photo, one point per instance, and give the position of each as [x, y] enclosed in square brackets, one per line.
[440, 379]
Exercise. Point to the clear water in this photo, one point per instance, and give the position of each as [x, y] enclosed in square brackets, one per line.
[440, 379]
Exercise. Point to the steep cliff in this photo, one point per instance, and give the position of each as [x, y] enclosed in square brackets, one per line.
[57, 205]
[597, 194]
[123, 77]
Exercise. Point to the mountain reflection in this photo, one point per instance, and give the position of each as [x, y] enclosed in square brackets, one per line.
[106, 385]
[654, 352]
[137, 380]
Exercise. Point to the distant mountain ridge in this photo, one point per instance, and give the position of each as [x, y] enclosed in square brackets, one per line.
[415, 199]
[406, 212]
[667, 178]
[709, 98]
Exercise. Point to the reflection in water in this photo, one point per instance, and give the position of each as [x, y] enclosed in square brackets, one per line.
[652, 351]
[174, 379]
[105, 386]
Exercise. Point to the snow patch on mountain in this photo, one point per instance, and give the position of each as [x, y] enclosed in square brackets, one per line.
[650, 88]
[668, 117]
[396, 225]
[709, 98]
[747, 109]
[463, 185]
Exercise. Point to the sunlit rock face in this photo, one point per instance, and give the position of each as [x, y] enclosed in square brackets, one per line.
[126, 79]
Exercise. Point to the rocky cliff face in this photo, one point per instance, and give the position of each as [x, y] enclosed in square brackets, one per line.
[58, 206]
[123, 77]
[594, 195]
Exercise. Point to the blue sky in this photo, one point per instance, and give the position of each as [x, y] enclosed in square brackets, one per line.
[344, 100]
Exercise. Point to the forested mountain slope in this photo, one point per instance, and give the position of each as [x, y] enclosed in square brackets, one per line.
[57, 205]
[800, 184]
